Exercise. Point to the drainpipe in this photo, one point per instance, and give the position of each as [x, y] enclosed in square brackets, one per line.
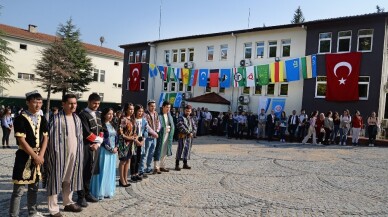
[153, 47]
[234, 65]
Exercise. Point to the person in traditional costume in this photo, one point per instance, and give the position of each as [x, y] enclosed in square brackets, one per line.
[31, 136]
[92, 136]
[126, 138]
[103, 185]
[141, 132]
[166, 136]
[186, 129]
[153, 128]
[64, 157]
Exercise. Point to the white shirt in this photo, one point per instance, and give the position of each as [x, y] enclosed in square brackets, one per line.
[139, 123]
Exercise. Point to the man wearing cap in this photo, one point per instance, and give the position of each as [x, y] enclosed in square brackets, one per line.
[92, 136]
[186, 129]
[153, 127]
[32, 137]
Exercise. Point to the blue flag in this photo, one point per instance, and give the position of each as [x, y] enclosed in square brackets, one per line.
[177, 73]
[178, 100]
[152, 70]
[314, 66]
[225, 78]
[162, 98]
[162, 72]
[203, 75]
[292, 69]
[278, 106]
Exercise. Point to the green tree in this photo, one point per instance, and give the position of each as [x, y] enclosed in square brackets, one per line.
[5, 68]
[379, 9]
[83, 66]
[54, 70]
[298, 16]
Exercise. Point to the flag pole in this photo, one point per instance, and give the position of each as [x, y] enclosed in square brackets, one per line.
[249, 16]
[160, 16]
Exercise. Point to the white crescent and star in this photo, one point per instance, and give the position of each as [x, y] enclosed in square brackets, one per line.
[203, 75]
[135, 70]
[340, 64]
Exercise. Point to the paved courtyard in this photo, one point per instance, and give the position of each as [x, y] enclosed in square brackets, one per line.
[245, 178]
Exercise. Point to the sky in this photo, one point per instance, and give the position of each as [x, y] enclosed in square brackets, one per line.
[128, 21]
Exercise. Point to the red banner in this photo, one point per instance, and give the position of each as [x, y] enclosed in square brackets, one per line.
[342, 71]
[134, 76]
[214, 78]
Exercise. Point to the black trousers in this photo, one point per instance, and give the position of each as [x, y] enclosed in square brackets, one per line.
[270, 132]
[6, 133]
[87, 171]
[292, 130]
[135, 161]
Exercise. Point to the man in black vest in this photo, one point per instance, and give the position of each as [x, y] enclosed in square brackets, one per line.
[293, 122]
[270, 125]
[92, 134]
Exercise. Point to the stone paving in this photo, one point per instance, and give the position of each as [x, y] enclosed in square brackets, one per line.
[245, 178]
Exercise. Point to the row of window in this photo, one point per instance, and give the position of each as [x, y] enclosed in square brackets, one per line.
[344, 41]
[26, 76]
[363, 87]
[137, 56]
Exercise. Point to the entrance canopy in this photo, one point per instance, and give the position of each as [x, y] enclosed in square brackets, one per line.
[211, 101]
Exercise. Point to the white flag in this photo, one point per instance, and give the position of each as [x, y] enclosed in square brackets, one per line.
[250, 76]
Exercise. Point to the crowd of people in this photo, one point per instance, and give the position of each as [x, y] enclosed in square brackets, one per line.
[78, 152]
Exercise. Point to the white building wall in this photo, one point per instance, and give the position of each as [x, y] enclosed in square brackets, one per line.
[235, 44]
[24, 61]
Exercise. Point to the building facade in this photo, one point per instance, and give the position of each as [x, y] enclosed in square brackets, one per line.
[29, 43]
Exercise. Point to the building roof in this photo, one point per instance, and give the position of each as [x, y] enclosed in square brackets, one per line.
[257, 29]
[24, 34]
[210, 98]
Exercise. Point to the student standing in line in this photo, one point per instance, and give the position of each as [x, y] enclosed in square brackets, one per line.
[6, 125]
[345, 119]
[357, 125]
[141, 132]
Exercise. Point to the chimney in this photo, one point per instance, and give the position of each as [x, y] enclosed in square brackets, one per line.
[32, 28]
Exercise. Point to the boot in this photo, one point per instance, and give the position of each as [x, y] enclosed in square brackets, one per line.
[177, 165]
[185, 166]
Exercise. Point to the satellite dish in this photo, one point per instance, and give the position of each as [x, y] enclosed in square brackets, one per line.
[102, 40]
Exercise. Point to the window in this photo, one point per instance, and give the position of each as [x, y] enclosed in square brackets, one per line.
[95, 75]
[137, 57]
[119, 85]
[114, 85]
[224, 52]
[208, 88]
[286, 48]
[166, 56]
[102, 96]
[246, 90]
[25, 76]
[248, 50]
[172, 86]
[142, 83]
[272, 45]
[270, 89]
[191, 54]
[188, 88]
[260, 49]
[344, 41]
[174, 56]
[182, 55]
[180, 86]
[258, 90]
[221, 90]
[363, 87]
[23, 46]
[116, 63]
[324, 42]
[102, 75]
[131, 57]
[210, 53]
[165, 86]
[365, 40]
[283, 89]
[144, 56]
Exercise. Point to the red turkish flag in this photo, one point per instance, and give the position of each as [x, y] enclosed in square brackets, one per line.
[134, 76]
[214, 78]
[342, 71]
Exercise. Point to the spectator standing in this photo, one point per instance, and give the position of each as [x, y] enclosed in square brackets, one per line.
[303, 124]
[372, 128]
[6, 125]
[336, 123]
[345, 119]
[357, 125]
[311, 131]
[262, 119]
[293, 122]
[328, 126]
[283, 126]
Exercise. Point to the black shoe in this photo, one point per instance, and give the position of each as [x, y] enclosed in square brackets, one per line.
[177, 168]
[139, 178]
[73, 208]
[164, 170]
[144, 176]
[3, 146]
[121, 184]
[82, 202]
[134, 178]
[91, 199]
[185, 166]
[8, 146]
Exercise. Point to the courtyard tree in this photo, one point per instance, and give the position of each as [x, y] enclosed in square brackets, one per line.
[5, 68]
[298, 16]
[54, 70]
[81, 63]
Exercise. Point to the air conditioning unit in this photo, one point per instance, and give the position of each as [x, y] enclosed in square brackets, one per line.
[186, 95]
[386, 86]
[245, 62]
[243, 99]
[242, 108]
[189, 65]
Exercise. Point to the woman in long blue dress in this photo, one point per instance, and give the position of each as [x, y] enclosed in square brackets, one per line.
[103, 185]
